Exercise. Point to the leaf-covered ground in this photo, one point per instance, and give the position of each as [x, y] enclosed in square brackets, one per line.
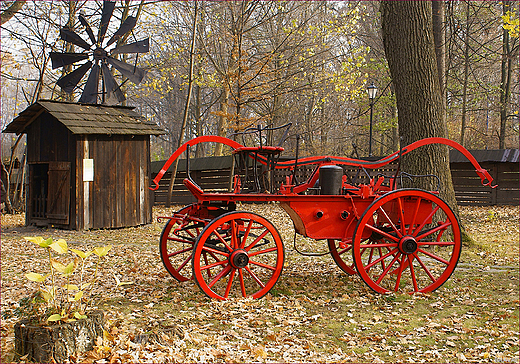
[315, 313]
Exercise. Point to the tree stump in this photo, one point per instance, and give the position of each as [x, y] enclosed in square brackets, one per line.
[55, 343]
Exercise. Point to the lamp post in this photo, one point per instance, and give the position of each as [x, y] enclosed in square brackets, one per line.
[371, 91]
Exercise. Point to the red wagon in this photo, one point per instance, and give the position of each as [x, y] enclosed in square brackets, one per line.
[397, 239]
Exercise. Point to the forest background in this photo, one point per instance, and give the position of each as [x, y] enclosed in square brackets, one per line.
[271, 63]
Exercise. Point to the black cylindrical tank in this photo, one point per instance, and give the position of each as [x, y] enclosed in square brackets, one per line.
[330, 180]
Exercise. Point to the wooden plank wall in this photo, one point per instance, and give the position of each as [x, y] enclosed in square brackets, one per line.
[468, 189]
[119, 195]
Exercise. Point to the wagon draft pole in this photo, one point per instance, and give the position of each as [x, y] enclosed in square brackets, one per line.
[396, 239]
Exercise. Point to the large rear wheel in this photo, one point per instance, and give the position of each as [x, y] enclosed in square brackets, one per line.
[408, 240]
[239, 254]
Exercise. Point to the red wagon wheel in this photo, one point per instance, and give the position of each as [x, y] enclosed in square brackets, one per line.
[178, 238]
[239, 254]
[407, 240]
[342, 256]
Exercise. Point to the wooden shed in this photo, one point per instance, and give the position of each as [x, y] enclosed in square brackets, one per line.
[89, 165]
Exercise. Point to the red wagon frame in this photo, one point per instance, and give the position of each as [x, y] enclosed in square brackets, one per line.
[396, 239]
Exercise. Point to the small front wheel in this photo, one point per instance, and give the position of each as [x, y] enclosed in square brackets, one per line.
[407, 240]
[238, 254]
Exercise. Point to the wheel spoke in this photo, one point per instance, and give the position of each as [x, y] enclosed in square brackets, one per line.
[183, 264]
[399, 274]
[230, 283]
[385, 272]
[256, 240]
[212, 265]
[383, 261]
[392, 225]
[415, 212]
[379, 245]
[384, 233]
[263, 265]
[431, 255]
[222, 273]
[412, 273]
[401, 216]
[205, 255]
[180, 240]
[180, 252]
[211, 250]
[260, 283]
[381, 258]
[437, 243]
[223, 241]
[444, 226]
[424, 267]
[273, 249]
[242, 284]
[419, 228]
[246, 234]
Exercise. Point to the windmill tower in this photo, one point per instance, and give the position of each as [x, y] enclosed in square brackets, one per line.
[99, 55]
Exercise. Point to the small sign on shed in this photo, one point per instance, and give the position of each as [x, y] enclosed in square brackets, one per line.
[89, 165]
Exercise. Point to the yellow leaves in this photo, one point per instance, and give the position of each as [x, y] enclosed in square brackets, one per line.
[102, 251]
[259, 352]
[81, 254]
[36, 277]
[63, 269]
[511, 24]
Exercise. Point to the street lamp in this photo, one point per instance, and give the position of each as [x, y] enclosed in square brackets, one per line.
[371, 91]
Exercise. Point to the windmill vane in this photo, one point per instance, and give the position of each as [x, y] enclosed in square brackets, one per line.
[98, 58]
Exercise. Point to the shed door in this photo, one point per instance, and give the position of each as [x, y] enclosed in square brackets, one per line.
[58, 202]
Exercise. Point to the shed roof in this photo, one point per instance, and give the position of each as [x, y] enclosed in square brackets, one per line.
[86, 119]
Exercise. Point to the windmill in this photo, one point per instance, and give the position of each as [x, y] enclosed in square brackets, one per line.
[99, 58]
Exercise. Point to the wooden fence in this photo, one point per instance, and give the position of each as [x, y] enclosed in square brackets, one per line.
[213, 174]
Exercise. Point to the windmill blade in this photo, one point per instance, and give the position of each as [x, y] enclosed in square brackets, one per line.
[114, 93]
[64, 59]
[108, 9]
[69, 82]
[127, 26]
[90, 92]
[70, 36]
[85, 23]
[134, 74]
[142, 46]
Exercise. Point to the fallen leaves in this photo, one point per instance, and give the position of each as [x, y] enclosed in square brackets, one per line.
[315, 313]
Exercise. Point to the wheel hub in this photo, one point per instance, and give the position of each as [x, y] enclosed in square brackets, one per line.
[408, 245]
[100, 53]
[239, 259]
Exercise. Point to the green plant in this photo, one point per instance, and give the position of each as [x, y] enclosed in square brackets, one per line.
[65, 291]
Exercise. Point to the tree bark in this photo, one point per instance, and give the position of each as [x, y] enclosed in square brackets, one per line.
[440, 46]
[409, 47]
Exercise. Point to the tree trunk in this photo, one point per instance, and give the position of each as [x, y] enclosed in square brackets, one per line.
[409, 48]
[505, 82]
[465, 80]
[56, 343]
[222, 119]
[187, 105]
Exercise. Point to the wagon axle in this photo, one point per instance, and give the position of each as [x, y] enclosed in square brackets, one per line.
[407, 245]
